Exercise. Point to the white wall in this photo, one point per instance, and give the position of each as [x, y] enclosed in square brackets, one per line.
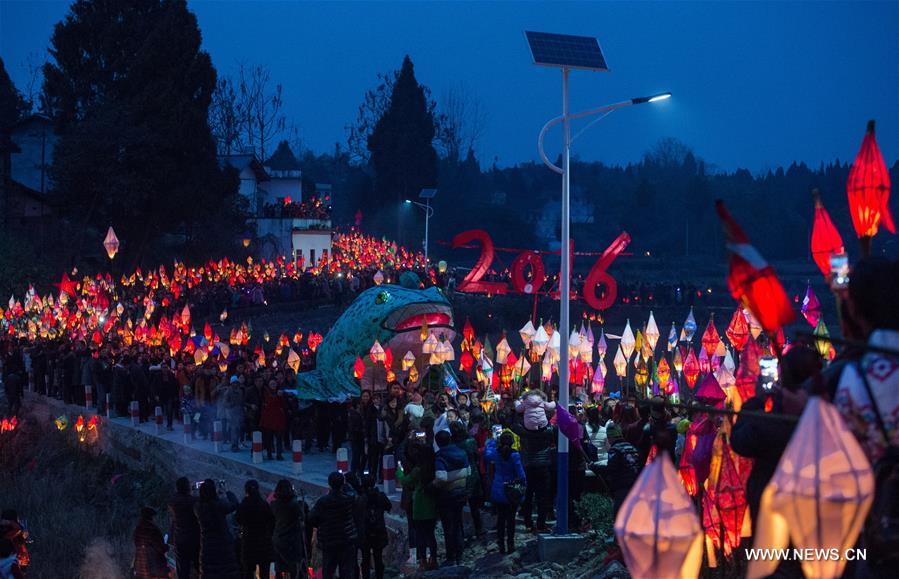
[305, 242]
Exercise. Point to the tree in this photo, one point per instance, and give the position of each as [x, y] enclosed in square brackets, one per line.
[461, 123]
[130, 89]
[226, 117]
[374, 105]
[260, 102]
[13, 105]
[402, 143]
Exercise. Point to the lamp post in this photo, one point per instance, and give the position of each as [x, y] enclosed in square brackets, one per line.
[545, 49]
[427, 195]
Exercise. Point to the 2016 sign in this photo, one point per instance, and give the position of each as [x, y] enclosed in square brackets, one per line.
[598, 276]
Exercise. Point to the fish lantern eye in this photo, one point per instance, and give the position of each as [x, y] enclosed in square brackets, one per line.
[383, 297]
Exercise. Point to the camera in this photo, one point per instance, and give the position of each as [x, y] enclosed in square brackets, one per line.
[839, 271]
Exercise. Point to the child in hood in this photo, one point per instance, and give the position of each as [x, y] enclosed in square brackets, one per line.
[534, 406]
[414, 408]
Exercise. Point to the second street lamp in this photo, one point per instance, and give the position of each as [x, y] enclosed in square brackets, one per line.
[427, 195]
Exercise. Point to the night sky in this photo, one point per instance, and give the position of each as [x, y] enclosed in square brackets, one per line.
[755, 84]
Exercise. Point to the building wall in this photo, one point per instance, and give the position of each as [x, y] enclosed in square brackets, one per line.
[31, 137]
[284, 187]
[311, 244]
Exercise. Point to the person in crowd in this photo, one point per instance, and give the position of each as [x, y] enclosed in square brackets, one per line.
[13, 387]
[473, 487]
[333, 516]
[185, 529]
[356, 431]
[414, 409]
[658, 431]
[623, 466]
[451, 472]
[274, 420]
[256, 521]
[508, 468]
[595, 436]
[417, 473]
[12, 529]
[9, 564]
[218, 557]
[375, 437]
[534, 406]
[233, 404]
[536, 447]
[371, 504]
[149, 548]
[765, 440]
[289, 537]
[867, 395]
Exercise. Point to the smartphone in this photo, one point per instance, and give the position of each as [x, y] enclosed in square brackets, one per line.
[497, 431]
[420, 434]
[769, 372]
[839, 271]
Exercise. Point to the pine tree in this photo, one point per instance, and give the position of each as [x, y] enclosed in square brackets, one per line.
[130, 91]
[13, 105]
[402, 143]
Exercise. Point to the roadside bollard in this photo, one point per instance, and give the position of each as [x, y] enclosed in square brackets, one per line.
[108, 404]
[135, 413]
[297, 457]
[343, 463]
[158, 415]
[257, 447]
[188, 433]
[389, 474]
[88, 397]
[217, 435]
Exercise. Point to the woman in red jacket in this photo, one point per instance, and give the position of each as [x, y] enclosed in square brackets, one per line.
[274, 419]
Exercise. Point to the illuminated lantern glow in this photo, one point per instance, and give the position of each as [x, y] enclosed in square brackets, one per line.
[752, 281]
[826, 240]
[358, 368]
[704, 364]
[672, 338]
[466, 361]
[663, 371]
[408, 361]
[293, 361]
[468, 331]
[811, 307]
[657, 527]
[822, 345]
[652, 333]
[868, 189]
[430, 344]
[540, 340]
[691, 368]
[527, 333]
[376, 353]
[111, 243]
[620, 363]
[689, 329]
[628, 341]
[819, 495]
[738, 330]
[502, 351]
[378, 277]
[710, 338]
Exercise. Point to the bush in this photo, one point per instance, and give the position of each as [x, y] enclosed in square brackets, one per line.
[596, 510]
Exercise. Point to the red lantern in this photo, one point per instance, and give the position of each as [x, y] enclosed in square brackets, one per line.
[685, 469]
[738, 330]
[868, 189]
[468, 332]
[752, 280]
[691, 368]
[710, 338]
[466, 361]
[826, 240]
[358, 368]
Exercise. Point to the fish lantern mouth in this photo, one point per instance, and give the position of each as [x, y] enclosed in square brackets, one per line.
[411, 318]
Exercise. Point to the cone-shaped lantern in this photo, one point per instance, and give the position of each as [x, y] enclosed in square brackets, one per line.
[527, 333]
[408, 361]
[691, 368]
[293, 361]
[710, 338]
[672, 338]
[819, 495]
[738, 330]
[358, 368]
[628, 341]
[811, 307]
[657, 527]
[868, 189]
[376, 352]
[651, 335]
[601, 346]
[826, 240]
[689, 329]
[540, 340]
[502, 351]
[111, 243]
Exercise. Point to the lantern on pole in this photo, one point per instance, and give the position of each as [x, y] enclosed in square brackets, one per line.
[620, 363]
[540, 340]
[819, 495]
[811, 307]
[868, 189]
[826, 240]
[689, 329]
[111, 243]
[738, 330]
[527, 333]
[628, 341]
[358, 368]
[651, 335]
[710, 338]
[657, 527]
[691, 368]
[430, 344]
[502, 351]
[408, 361]
[293, 361]
[376, 353]
[601, 345]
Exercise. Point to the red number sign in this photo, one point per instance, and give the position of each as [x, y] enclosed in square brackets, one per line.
[598, 278]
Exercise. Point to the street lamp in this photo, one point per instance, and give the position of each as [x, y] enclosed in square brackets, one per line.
[568, 52]
[427, 195]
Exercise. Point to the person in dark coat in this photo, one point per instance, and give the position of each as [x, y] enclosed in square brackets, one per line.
[274, 420]
[623, 467]
[451, 472]
[218, 559]
[334, 517]
[537, 458]
[473, 487]
[289, 538]
[149, 548]
[256, 521]
[371, 504]
[185, 529]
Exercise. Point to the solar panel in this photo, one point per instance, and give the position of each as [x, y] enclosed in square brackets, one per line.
[427, 193]
[566, 51]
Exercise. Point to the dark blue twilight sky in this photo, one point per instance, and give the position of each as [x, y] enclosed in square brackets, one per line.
[756, 84]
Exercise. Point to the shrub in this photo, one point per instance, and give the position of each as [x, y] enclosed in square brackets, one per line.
[596, 510]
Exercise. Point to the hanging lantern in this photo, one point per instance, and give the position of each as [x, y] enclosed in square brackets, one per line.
[822, 345]
[689, 329]
[358, 368]
[710, 338]
[738, 330]
[540, 340]
[466, 361]
[819, 495]
[651, 335]
[408, 361]
[868, 189]
[574, 345]
[376, 353]
[811, 307]
[293, 361]
[628, 341]
[430, 344]
[468, 331]
[620, 363]
[527, 333]
[378, 277]
[678, 361]
[672, 338]
[111, 243]
[585, 351]
[663, 371]
[691, 368]
[502, 351]
[826, 240]
[657, 527]
[601, 345]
